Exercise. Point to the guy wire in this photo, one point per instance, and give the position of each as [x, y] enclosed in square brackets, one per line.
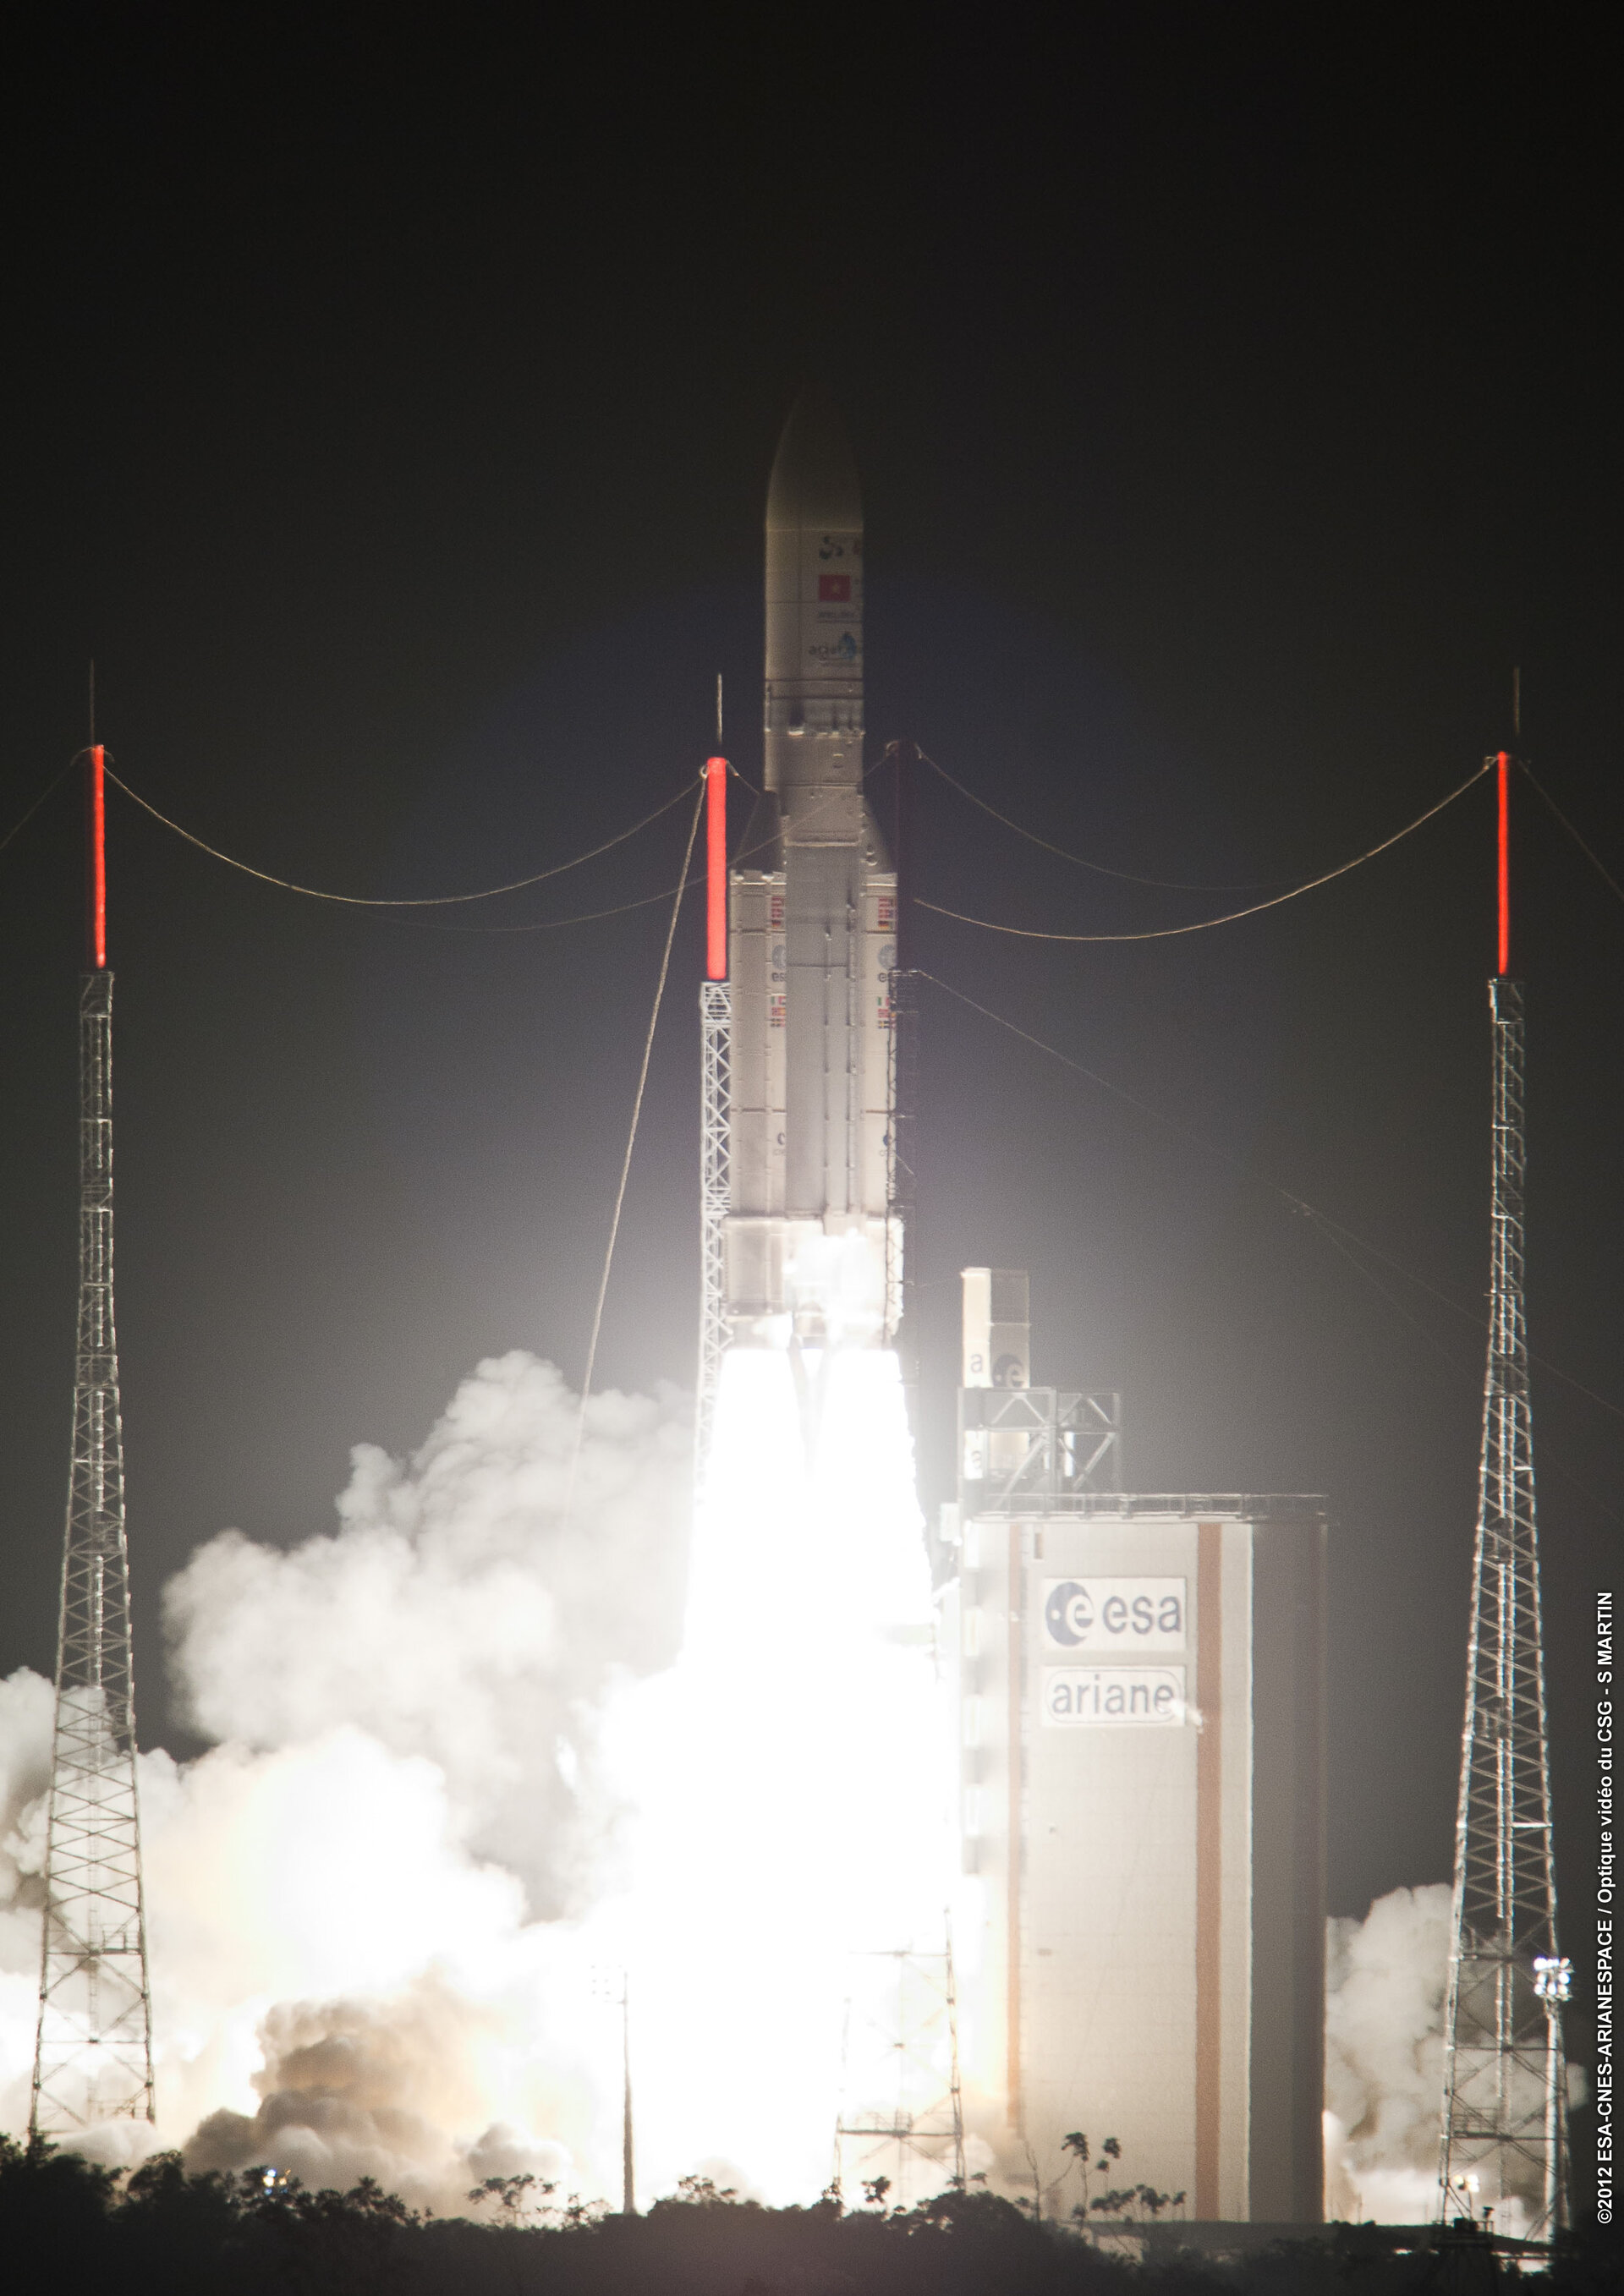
[626, 1162]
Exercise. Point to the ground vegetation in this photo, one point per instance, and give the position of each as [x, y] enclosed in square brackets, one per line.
[69, 2224]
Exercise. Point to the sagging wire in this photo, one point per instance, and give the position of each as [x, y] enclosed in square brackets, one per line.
[425, 901]
[1206, 924]
[591, 916]
[446, 900]
[1128, 876]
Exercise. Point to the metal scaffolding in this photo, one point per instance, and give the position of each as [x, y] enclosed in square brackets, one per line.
[93, 2058]
[1503, 2134]
[715, 1100]
[902, 2116]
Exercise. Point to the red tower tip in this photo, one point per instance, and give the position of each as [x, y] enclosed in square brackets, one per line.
[98, 856]
[1502, 762]
[715, 873]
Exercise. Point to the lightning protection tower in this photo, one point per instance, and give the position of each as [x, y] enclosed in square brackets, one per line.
[1503, 2137]
[93, 2060]
[716, 1092]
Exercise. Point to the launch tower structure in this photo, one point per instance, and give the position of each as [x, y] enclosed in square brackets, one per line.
[716, 1104]
[1503, 2137]
[93, 2060]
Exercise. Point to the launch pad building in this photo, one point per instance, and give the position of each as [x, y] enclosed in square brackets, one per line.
[1141, 1700]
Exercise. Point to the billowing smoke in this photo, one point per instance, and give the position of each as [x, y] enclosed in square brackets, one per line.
[353, 2089]
[390, 1909]
[360, 1901]
[1386, 1977]
[457, 1615]
[25, 1772]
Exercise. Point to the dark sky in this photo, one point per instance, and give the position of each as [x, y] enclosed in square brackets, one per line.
[391, 396]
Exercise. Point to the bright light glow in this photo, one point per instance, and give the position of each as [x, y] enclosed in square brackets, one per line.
[377, 1904]
[791, 1771]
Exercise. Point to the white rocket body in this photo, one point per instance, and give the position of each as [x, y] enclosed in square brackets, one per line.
[810, 1256]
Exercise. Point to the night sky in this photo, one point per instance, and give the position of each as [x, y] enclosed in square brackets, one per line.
[390, 407]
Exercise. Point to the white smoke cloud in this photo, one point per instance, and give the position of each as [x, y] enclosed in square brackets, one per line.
[1386, 1979]
[358, 1899]
[26, 1702]
[457, 1615]
[363, 2087]
[365, 1902]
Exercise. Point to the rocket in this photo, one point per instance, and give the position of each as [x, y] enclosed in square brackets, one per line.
[811, 1243]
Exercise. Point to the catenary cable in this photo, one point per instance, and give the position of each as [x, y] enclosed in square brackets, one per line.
[1334, 1231]
[1206, 924]
[427, 901]
[626, 1162]
[542, 924]
[1128, 876]
[624, 908]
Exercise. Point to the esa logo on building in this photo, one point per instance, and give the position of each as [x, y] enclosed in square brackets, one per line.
[1114, 1614]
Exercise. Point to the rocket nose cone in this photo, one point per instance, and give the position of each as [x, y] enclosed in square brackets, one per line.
[814, 480]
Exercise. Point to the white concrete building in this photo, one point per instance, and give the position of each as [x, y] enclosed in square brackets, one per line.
[1141, 1698]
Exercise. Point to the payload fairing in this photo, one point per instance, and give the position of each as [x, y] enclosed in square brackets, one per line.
[812, 1251]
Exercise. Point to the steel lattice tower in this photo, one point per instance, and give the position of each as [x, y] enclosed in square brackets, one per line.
[1503, 2077]
[715, 1079]
[716, 1109]
[92, 2059]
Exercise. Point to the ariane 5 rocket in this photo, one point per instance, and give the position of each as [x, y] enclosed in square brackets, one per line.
[811, 1244]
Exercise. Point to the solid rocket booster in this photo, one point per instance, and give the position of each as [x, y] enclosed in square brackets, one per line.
[810, 1252]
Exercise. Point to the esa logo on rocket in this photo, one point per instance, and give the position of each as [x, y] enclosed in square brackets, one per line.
[1114, 1614]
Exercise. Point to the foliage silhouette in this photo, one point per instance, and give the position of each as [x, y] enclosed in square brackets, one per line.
[69, 2224]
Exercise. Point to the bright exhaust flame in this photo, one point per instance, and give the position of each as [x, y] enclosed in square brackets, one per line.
[378, 1903]
[790, 1776]
[440, 1798]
